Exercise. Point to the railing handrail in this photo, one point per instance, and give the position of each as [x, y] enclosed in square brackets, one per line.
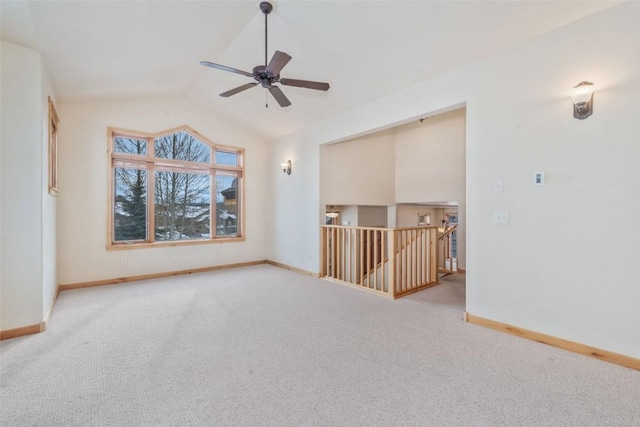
[422, 227]
[448, 231]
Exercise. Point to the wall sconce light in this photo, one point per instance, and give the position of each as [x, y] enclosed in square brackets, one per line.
[332, 212]
[582, 97]
[286, 167]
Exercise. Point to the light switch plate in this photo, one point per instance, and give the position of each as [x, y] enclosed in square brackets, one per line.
[538, 178]
[498, 186]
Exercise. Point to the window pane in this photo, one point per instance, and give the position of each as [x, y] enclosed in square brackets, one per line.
[182, 206]
[226, 158]
[130, 209]
[182, 146]
[227, 205]
[123, 144]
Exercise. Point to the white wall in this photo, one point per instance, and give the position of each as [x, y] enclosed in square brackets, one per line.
[21, 225]
[348, 215]
[82, 204]
[359, 171]
[430, 165]
[296, 211]
[49, 208]
[552, 269]
[392, 220]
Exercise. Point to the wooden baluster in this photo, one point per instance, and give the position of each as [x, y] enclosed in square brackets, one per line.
[352, 255]
[342, 253]
[425, 255]
[419, 256]
[383, 248]
[434, 258]
[323, 252]
[414, 245]
[347, 255]
[361, 257]
[422, 281]
[330, 249]
[369, 257]
[405, 264]
[345, 252]
[339, 255]
[400, 262]
[391, 286]
[376, 242]
[410, 259]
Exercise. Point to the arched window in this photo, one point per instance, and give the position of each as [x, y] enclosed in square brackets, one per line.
[173, 187]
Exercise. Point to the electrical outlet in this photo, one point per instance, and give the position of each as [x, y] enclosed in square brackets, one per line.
[501, 217]
[123, 261]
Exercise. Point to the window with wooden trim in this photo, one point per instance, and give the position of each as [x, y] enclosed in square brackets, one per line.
[53, 149]
[174, 187]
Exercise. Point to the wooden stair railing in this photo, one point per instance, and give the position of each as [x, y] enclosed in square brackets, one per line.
[447, 264]
[388, 261]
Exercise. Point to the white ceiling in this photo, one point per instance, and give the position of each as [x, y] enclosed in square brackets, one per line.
[96, 50]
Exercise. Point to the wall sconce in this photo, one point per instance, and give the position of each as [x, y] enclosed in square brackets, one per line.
[286, 167]
[582, 97]
[332, 212]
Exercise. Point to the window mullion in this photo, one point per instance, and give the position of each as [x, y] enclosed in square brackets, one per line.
[213, 206]
[151, 152]
[151, 193]
[151, 218]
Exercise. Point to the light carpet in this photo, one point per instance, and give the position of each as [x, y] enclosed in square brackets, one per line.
[262, 346]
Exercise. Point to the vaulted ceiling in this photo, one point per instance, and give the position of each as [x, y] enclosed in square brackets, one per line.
[365, 50]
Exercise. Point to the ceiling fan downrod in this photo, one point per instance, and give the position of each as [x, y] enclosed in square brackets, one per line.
[266, 8]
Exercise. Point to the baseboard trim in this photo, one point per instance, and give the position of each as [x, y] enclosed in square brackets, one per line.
[81, 285]
[462, 271]
[25, 330]
[290, 268]
[586, 350]
[53, 302]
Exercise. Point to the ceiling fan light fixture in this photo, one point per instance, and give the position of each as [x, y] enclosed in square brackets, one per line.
[332, 212]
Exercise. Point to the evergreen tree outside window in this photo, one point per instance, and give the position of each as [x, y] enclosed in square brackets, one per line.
[175, 187]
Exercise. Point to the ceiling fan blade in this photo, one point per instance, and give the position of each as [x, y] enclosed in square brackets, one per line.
[305, 84]
[277, 63]
[279, 96]
[238, 89]
[225, 68]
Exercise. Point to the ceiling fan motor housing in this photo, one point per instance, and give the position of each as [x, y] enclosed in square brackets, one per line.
[262, 76]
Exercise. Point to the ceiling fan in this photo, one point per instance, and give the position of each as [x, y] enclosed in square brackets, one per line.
[268, 74]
